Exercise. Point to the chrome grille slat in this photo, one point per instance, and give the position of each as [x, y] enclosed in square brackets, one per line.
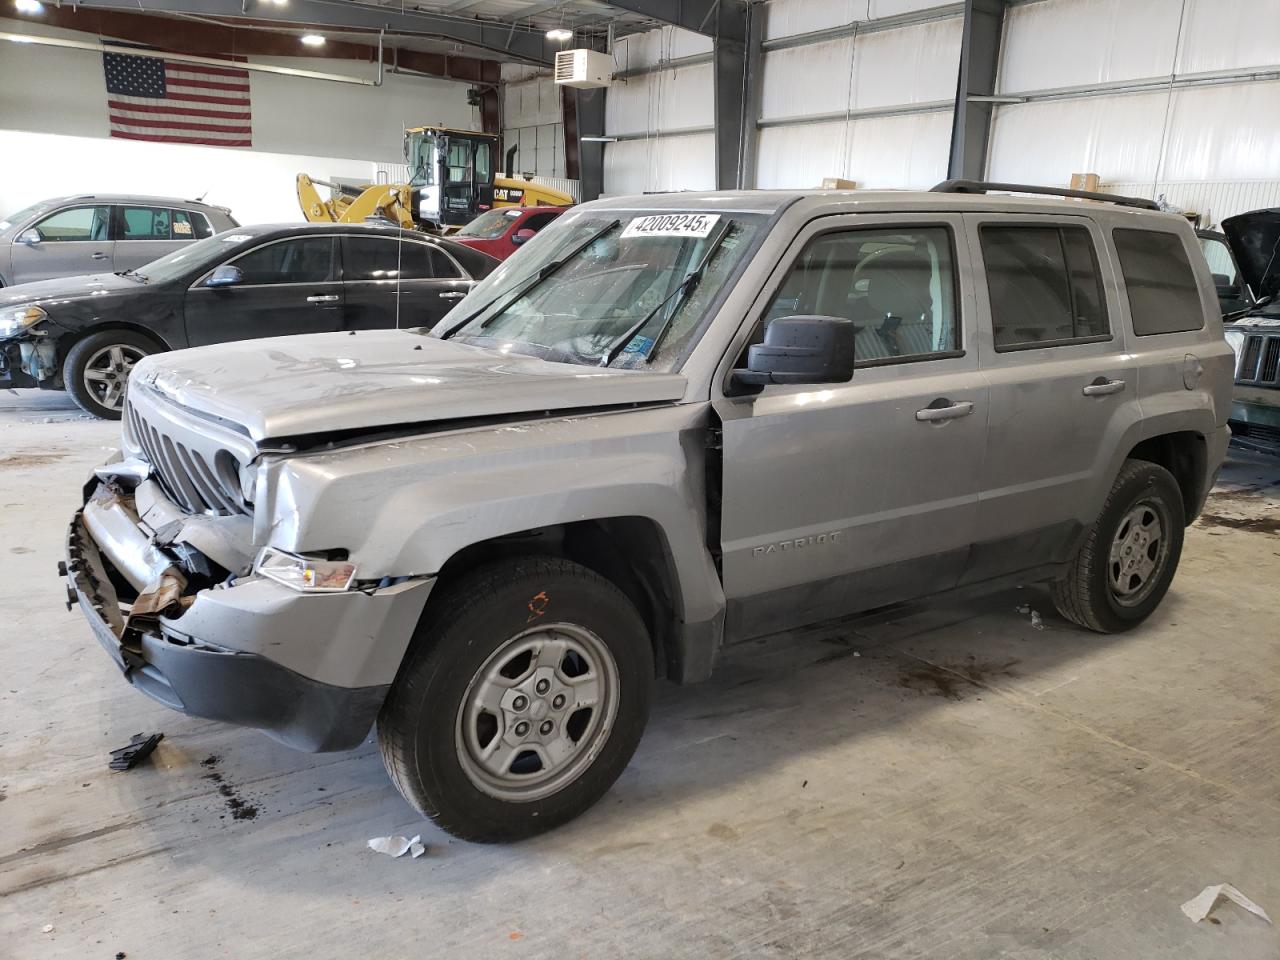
[1249, 363]
[200, 481]
[1270, 360]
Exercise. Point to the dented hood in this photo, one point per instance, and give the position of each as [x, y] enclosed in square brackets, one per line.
[329, 382]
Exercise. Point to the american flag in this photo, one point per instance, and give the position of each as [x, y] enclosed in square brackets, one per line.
[168, 101]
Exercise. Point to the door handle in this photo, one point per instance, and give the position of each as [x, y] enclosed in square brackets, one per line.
[452, 295]
[931, 413]
[1103, 387]
[325, 298]
[98, 256]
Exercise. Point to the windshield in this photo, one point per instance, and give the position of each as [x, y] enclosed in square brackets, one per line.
[491, 225]
[26, 213]
[578, 311]
[201, 255]
[420, 155]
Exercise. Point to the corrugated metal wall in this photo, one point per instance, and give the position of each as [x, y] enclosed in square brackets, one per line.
[1179, 98]
[661, 112]
[532, 121]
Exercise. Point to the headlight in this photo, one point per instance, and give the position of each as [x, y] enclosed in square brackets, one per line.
[17, 319]
[1235, 340]
[305, 574]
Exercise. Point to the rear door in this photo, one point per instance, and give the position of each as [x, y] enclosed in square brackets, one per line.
[1064, 386]
[289, 286]
[68, 242]
[144, 234]
[397, 282]
[845, 496]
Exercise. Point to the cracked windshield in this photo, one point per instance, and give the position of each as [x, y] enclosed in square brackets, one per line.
[628, 290]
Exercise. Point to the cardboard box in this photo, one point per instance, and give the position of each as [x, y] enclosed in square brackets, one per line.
[838, 183]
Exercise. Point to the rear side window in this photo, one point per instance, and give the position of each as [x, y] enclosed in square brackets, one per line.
[1163, 294]
[1044, 286]
[383, 258]
[199, 223]
[144, 223]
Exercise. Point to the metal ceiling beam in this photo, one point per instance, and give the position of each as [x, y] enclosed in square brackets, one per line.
[979, 61]
[722, 19]
[505, 39]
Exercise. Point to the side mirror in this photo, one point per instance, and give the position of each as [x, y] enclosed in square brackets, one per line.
[801, 350]
[226, 275]
[30, 237]
[523, 236]
[804, 349]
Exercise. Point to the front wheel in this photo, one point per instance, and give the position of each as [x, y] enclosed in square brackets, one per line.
[521, 700]
[96, 371]
[1127, 561]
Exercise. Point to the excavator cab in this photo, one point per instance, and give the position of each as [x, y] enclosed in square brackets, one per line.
[451, 173]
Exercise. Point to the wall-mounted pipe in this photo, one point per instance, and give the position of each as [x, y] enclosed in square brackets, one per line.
[190, 58]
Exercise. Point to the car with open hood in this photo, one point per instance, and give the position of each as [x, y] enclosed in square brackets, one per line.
[1253, 328]
[85, 334]
[669, 424]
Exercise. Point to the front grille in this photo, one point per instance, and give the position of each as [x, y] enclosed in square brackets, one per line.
[1260, 360]
[1257, 433]
[191, 479]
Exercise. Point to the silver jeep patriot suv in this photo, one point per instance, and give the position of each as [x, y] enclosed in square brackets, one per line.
[670, 423]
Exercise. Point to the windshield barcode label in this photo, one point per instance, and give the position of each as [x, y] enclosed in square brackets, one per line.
[672, 225]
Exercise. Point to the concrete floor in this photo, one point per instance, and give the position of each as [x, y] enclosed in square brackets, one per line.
[953, 784]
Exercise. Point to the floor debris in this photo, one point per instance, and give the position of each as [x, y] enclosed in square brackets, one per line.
[48, 928]
[139, 748]
[398, 846]
[1202, 904]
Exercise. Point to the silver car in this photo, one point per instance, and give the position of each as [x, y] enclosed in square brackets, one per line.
[100, 233]
[668, 424]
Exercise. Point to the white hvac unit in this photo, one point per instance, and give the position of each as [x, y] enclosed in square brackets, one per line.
[584, 69]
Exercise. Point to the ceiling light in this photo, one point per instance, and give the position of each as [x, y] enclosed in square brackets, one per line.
[29, 6]
[313, 40]
[560, 34]
[279, 3]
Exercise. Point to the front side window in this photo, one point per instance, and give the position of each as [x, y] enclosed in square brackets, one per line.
[592, 289]
[1221, 264]
[300, 260]
[1163, 294]
[1044, 285]
[896, 286]
[76, 223]
[384, 258]
[145, 223]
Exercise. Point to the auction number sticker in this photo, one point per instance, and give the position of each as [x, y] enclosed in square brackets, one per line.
[672, 225]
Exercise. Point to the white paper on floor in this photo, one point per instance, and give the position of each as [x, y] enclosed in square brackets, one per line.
[398, 846]
[1202, 904]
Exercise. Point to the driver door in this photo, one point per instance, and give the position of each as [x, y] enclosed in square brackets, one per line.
[288, 286]
[841, 497]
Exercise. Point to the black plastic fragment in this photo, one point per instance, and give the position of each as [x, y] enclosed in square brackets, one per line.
[139, 748]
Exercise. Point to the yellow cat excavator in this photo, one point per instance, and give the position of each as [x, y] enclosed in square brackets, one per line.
[451, 180]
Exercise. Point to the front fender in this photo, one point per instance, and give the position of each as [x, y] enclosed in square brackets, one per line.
[404, 507]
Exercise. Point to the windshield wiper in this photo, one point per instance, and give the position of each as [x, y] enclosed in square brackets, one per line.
[532, 281]
[683, 289]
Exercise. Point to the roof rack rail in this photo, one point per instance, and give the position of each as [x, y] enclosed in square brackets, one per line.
[982, 186]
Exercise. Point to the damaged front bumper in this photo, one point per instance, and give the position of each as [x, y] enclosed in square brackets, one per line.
[311, 670]
[29, 362]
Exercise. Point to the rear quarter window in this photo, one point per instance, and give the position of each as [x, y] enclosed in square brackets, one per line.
[1164, 296]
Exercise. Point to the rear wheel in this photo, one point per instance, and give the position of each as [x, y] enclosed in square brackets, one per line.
[1130, 555]
[96, 371]
[520, 702]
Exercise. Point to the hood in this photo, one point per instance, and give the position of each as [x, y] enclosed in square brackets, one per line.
[65, 289]
[330, 382]
[1254, 239]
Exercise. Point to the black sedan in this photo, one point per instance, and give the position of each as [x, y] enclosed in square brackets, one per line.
[84, 334]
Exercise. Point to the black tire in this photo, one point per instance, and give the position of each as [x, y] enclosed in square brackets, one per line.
[1086, 595]
[467, 625]
[89, 397]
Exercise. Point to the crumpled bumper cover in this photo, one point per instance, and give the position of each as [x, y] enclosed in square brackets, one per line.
[201, 677]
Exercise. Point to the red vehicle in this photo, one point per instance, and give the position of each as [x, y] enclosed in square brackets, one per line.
[500, 231]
